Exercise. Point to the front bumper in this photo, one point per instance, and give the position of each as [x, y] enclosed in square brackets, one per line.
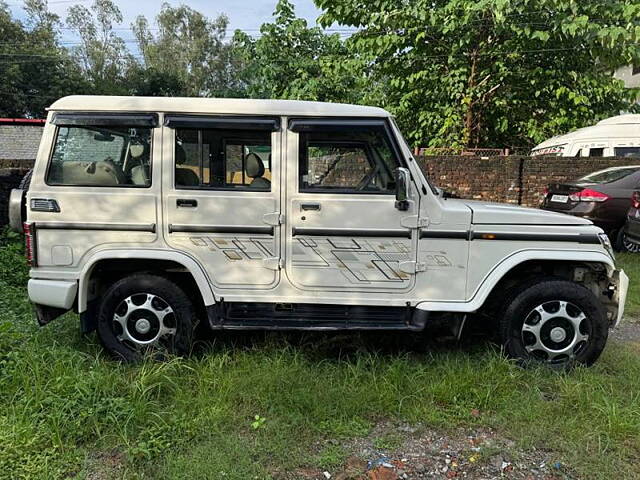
[622, 283]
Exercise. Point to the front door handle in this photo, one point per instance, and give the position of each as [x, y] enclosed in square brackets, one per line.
[310, 206]
[186, 203]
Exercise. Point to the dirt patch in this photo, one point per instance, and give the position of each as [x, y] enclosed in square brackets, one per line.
[401, 451]
[105, 465]
[628, 331]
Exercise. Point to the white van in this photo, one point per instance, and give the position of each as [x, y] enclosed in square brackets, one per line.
[149, 215]
[614, 137]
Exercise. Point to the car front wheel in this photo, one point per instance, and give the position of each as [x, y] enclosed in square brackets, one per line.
[554, 322]
[142, 314]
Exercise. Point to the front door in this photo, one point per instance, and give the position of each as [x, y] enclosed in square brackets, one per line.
[222, 198]
[344, 232]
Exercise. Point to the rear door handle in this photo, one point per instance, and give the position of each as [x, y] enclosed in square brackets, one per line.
[186, 203]
[310, 206]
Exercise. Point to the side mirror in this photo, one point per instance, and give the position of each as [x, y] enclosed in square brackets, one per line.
[403, 180]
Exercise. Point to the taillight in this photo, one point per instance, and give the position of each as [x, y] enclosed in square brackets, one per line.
[588, 195]
[635, 200]
[30, 243]
[545, 191]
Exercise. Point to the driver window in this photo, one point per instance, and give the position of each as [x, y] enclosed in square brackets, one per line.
[347, 162]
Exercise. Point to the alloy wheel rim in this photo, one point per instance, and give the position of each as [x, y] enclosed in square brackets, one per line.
[555, 331]
[630, 246]
[144, 320]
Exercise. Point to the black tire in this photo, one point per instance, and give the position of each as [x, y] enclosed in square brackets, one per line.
[623, 244]
[26, 181]
[548, 294]
[145, 287]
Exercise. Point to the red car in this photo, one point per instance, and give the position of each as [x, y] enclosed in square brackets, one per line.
[602, 197]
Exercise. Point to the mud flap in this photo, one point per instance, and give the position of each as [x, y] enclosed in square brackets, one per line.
[46, 314]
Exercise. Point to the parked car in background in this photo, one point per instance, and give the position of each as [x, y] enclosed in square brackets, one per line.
[602, 197]
[631, 233]
[613, 137]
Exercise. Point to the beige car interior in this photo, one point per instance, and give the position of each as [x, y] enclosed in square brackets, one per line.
[184, 176]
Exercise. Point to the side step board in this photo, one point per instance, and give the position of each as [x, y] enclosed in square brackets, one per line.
[306, 316]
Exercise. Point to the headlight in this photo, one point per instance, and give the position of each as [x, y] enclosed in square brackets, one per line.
[606, 243]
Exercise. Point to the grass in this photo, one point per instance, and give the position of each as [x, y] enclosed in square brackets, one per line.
[67, 411]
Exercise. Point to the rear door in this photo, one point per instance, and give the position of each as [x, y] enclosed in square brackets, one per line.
[343, 230]
[222, 196]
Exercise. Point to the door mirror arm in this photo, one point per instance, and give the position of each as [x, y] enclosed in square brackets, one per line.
[403, 179]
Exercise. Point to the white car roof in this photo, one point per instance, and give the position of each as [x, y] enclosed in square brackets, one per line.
[627, 126]
[103, 103]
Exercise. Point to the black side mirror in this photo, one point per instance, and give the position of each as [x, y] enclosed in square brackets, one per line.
[403, 179]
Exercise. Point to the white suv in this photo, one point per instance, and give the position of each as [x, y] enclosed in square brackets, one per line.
[147, 215]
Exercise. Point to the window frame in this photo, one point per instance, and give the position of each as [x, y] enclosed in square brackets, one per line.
[253, 124]
[107, 123]
[302, 125]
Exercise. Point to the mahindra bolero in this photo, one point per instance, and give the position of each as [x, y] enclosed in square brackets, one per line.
[148, 216]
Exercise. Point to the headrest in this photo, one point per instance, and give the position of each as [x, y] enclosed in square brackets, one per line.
[254, 167]
[137, 149]
[181, 155]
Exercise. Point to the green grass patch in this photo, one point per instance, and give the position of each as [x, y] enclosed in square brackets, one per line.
[65, 407]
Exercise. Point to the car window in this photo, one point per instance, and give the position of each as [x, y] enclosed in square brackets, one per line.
[101, 156]
[608, 176]
[224, 159]
[347, 161]
[627, 151]
[596, 152]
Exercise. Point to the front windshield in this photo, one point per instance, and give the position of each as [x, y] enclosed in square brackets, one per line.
[609, 175]
[436, 190]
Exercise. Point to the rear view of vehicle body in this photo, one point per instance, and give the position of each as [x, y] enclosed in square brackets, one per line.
[631, 233]
[602, 197]
[613, 137]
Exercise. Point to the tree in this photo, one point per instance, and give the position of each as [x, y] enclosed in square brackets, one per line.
[292, 60]
[494, 72]
[34, 69]
[189, 49]
[102, 55]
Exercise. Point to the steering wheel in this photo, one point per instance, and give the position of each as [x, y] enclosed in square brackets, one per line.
[366, 180]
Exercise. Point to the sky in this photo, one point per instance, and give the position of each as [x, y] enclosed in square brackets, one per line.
[246, 15]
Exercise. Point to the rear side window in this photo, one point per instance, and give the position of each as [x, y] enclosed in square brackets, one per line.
[596, 152]
[627, 151]
[101, 156]
[223, 159]
[610, 175]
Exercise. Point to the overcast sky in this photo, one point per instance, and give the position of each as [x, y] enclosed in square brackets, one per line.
[243, 14]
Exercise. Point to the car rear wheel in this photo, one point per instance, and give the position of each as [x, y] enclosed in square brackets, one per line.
[554, 322]
[145, 314]
[623, 243]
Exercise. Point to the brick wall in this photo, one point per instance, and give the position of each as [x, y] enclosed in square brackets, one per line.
[517, 180]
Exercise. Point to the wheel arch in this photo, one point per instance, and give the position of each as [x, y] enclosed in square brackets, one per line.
[157, 258]
[509, 265]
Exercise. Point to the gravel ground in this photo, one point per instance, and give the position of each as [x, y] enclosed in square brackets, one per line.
[628, 331]
[423, 453]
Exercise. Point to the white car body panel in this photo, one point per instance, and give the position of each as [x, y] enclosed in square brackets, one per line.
[439, 255]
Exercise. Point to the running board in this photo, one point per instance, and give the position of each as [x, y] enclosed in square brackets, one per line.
[305, 316]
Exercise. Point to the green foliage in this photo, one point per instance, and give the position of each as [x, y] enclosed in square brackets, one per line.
[190, 50]
[494, 72]
[294, 61]
[34, 69]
